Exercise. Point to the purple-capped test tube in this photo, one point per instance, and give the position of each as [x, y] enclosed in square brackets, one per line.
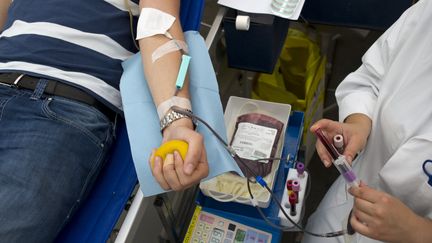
[339, 161]
[300, 167]
[346, 171]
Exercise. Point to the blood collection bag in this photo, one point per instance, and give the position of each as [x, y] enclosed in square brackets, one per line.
[256, 136]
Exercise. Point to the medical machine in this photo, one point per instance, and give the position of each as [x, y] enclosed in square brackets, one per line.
[229, 187]
[209, 227]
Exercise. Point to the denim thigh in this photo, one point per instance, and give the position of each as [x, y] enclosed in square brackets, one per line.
[51, 150]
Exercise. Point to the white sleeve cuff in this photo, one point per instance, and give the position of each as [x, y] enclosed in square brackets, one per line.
[361, 102]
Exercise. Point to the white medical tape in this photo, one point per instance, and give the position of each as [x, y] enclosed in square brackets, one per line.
[154, 22]
[181, 102]
[242, 22]
[168, 47]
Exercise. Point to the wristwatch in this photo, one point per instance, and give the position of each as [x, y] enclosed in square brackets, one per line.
[172, 116]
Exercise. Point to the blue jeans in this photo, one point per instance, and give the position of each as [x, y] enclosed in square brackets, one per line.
[51, 150]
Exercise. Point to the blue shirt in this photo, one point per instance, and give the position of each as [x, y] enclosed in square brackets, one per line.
[81, 42]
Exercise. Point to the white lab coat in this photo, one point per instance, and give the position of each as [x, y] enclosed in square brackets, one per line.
[394, 88]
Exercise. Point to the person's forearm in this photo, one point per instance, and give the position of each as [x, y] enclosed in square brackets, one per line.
[4, 6]
[417, 229]
[421, 231]
[162, 74]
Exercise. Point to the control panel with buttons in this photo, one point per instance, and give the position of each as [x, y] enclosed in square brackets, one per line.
[207, 227]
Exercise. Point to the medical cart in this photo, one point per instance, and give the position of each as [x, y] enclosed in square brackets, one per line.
[215, 221]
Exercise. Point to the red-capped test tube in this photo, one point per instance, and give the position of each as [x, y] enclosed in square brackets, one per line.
[293, 201]
[289, 185]
[296, 188]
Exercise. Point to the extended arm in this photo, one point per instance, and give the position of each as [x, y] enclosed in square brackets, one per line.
[161, 75]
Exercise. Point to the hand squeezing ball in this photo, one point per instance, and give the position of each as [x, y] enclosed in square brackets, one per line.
[169, 147]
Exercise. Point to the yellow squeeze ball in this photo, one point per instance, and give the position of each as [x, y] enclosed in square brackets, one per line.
[169, 147]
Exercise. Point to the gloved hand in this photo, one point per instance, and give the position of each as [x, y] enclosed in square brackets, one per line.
[174, 173]
[355, 131]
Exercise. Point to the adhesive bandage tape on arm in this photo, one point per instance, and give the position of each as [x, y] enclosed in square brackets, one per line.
[170, 46]
[181, 102]
[154, 22]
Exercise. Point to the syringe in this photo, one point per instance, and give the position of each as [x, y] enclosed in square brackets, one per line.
[339, 160]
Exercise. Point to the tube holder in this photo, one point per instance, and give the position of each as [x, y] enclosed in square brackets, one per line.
[293, 175]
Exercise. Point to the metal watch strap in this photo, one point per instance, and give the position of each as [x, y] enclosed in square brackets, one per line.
[172, 116]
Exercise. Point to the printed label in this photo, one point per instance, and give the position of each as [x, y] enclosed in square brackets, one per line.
[253, 141]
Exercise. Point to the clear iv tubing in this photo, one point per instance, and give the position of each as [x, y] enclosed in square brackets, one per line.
[339, 161]
[259, 179]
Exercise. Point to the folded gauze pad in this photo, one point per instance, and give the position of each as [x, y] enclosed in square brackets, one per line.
[154, 22]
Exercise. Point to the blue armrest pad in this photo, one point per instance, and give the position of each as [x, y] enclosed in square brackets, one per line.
[142, 121]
